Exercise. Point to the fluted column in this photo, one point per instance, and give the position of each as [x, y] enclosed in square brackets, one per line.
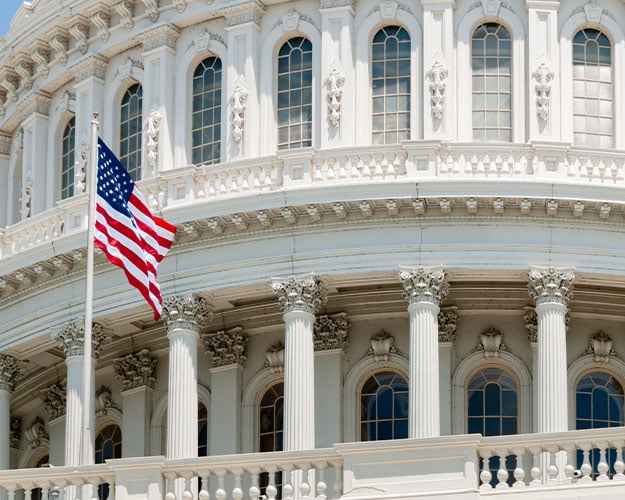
[551, 290]
[9, 374]
[299, 297]
[424, 289]
[71, 339]
[184, 317]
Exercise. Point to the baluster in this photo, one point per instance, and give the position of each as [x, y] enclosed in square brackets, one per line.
[187, 494]
[569, 468]
[321, 485]
[338, 483]
[272, 491]
[28, 490]
[11, 494]
[586, 468]
[519, 472]
[502, 472]
[287, 482]
[619, 465]
[535, 472]
[44, 491]
[171, 485]
[204, 494]
[485, 475]
[220, 494]
[254, 490]
[602, 466]
[552, 469]
[237, 492]
[304, 486]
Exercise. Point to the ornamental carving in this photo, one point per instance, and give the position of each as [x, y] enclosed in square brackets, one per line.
[447, 324]
[593, 11]
[275, 358]
[166, 35]
[531, 324]
[151, 9]
[10, 82]
[382, 346]
[334, 95]
[299, 293]
[437, 75]
[60, 44]
[125, 9]
[136, 370]
[226, 348]
[15, 432]
[330, 332]
[185, 312]
[71, 337]
[600, 346]
[26, 199]
[104, 401]
[10, 372]
[41, 55]
[36, 434]
[237, 110]
[491, 343]
[100, 20]
[54, 401]
[152, 125]
[80, 33]
[24, 69]
[543, 75]
[551, 285]
[423, 284]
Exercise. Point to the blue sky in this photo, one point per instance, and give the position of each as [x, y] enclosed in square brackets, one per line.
[7, 11]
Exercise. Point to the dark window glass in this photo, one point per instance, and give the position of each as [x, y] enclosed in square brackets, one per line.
[206, 113]
[384, 407]
[67, 159]
[108, 444]
[270, 427]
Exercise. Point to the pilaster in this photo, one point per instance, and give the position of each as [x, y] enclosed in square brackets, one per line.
[55, 401]
[424, 289]
[447, 323]
[299, 297]
[9, 375]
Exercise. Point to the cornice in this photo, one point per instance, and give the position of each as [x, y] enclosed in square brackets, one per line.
[246, 12]
[90, 67]
[162, 36]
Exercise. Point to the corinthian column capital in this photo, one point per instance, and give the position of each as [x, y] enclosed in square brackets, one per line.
[299, 293]
[424, 284]
[185, 312]
[71, 338]
[10, 372]
[551, 285]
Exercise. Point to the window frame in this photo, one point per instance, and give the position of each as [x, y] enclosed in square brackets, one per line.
[218, 108]
[70, 154]
[138, 170]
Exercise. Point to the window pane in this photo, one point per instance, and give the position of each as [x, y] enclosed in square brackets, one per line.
[130, 130]
[67, 159]
[384, 407]
[206, 112]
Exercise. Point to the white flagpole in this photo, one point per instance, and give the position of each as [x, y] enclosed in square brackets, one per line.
[92, 174]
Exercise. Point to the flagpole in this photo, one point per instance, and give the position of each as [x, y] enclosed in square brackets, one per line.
[92, 174]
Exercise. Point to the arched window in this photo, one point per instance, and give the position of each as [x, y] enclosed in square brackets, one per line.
[130, 130]
[491, 60]
[390, 85]
[67, 159]
[295, 94]
[384, 407]
[599, 402]
[271, 429]
[592, 89]
[108, 444]
[206, 112]
[492, 398]
[202, 430]
[36, 493]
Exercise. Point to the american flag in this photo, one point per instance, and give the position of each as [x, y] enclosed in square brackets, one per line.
[130, 236]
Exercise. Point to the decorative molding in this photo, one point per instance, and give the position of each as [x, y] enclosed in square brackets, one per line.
[80, 33]
[186, 312]
[491, 7]
[334, 93]
[127, 70]
[104, 401]
[544, 75]
[71, 338]
[40, 54]
[248, 12]
[59, 41]
[382, 346]
[437, 75]
[593, 11]
[100, 20]
[423, 284]
[10, 372]
[291, 20]
[163, 36]
[600, 346]
[90, 67]
[226, 348]
[202, 42]
[151, 9]
[125, 9]
[136, 370]
[36, 434]
[26, 199]
[180, 5]
[275, 358]
[447, 324]
[330, 332]
[491, 343]
[54, 401]
[388, 9]
[152, 126]
[551, 285]
[531, 324]
[15, 432]
[67, 103]
[238, 101]
[299, 293]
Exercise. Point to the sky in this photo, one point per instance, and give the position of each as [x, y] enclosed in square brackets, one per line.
[8, 8]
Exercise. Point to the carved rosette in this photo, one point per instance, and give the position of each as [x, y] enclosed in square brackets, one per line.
[275, 358]
[600, 347]
[543, 75]
[551, 285]
[15, 432]
[71, 337]
[104, 401]
[10, 372]
[136, 370]
[299, 293]
[447, 324]
[334, 95]
[226, 348]
[437, 75]
[330, 332]
[54, 401]
[185, 312]
[491, 343]
[424, 284]
[382, 346]
[36, 434]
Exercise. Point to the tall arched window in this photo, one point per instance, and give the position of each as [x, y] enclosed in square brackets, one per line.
[295, 94]
[206, 112]
[67, 159]
[202, 430]
[491, 60]
[592, 89]
[390, 85]
[108, 444]
[271, 429]
[130, 130]
[384, 407]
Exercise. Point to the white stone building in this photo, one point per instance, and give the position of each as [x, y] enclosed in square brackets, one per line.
[452, 172]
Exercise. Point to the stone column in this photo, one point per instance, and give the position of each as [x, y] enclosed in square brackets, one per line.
[226, 351]
[9, 374]
[299, 297]
[137, 375]
[184, 316]
[71, 339]
[424, 289]
[551, 290]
